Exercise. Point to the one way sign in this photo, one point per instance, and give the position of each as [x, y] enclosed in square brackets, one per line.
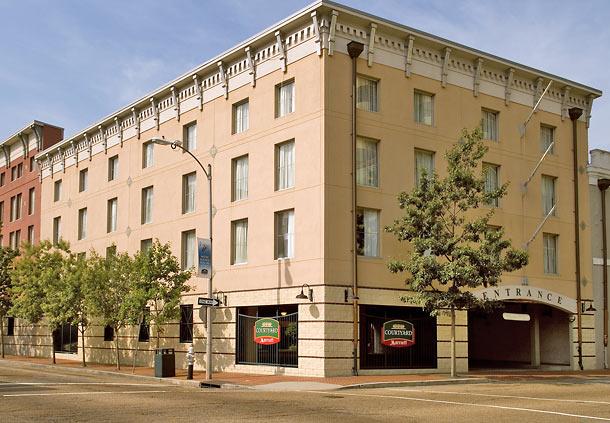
[208, 302]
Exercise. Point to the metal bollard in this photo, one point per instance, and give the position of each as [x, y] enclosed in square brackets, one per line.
[190, 360]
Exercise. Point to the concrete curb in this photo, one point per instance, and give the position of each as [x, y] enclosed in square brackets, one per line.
[81, 370]
[436, 382]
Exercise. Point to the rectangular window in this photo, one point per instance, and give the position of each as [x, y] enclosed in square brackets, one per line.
[367, 232]
[56, 229]
[188, 249]
[31, 201]
[547, 137]
[19, 170]
[10, 326]
[146, 244]
[284, 98]
[148, 149]
[57, 190]
[186, 323]
[424, 165]
[83, 180]
[147, 205]
[108, 333]
[1, 212]
[492, 181]
[489, 124]
[284, 234]
[144, 332]
[13, 173]
[113, 168]
[14, 239]
[111, 251]
[284, 165]
[366, 162]
[32, 164]
[82, 223]
[550, 253]
[2, 179]
[548, 194]
[423, 108]
[31, 234]
[189, 136]
[239, 241]
[111, 215]
[189, 186]
[240, 178]
[241, 112]
[366, 94]
[15, 207]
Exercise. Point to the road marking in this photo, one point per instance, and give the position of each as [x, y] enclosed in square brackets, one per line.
[501, 407]
[81, 393]
[77, 383]
[500, 396]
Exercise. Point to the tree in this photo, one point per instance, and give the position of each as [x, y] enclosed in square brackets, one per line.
[6, 259]
[36, 267]
[454, 248]
[113, 297]
[162, 283]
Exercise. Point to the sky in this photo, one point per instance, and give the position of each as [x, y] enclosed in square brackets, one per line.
[72, 62]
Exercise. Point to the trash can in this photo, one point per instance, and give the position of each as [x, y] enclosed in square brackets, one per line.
[165, 362]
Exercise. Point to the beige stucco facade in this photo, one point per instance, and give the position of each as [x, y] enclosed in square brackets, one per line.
[313, 54]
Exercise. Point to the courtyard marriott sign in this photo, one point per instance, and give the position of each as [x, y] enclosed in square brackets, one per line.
[398, 333]
[528, 293]
[266, 331]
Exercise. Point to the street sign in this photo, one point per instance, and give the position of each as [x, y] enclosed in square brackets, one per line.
[204, 257]
[208, 302]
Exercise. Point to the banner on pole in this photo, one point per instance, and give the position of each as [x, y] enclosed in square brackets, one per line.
[204, 255]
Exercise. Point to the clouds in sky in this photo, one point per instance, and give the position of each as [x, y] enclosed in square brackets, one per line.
[71, 62]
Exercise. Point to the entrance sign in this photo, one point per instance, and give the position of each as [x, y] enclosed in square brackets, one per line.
[204, 257]
[267, 331]
[398, 334]
[208, 302]
[529, 294]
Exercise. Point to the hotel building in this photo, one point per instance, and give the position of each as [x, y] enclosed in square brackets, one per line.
[273, 116]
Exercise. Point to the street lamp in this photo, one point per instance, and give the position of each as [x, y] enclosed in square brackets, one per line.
[208, 173]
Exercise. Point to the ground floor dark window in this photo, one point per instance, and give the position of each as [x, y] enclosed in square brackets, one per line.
[144, 333]
[10, 326]
[186, 323]
[282, 352]
[108, 333]
[374, 354]
[65, 338]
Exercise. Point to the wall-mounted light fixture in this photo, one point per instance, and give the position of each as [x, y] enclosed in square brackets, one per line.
[347, 296]
[309, 295]
[222, 297]
[585, 308]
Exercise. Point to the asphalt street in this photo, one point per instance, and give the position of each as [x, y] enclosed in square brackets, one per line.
[30, 395]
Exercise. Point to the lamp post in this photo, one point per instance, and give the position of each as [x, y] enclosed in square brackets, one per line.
[208, 173]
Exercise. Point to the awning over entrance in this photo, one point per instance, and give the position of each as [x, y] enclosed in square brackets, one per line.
[528, 293]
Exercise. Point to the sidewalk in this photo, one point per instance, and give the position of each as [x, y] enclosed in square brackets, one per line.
[228, 380]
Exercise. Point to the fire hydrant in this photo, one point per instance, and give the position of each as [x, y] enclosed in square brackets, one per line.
[190, 360]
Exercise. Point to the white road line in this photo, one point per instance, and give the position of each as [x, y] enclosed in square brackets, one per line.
[499, 396]
[530, 410]
[81, 393]
[78, 383]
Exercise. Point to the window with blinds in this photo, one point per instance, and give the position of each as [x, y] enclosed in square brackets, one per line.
[284, 98]
[489, 124]
[189, 182]
[189, 136]
[367, 162]
[147, 154]
[548, 194]
[82, 223]
[366, 94]
[189, 243]
[423, 108]
[550, 253]
[240, 178]
[241, 112]
[492, 181]
[424, 165]
[56, 229]
[547, 136]
[284, 165]
[284, 234]
[111, 215]
[239, 241]
[367, 232]
[147, 205]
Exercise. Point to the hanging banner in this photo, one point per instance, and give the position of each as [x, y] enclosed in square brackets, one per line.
[204, 257]
[266, 331]
[398, 334]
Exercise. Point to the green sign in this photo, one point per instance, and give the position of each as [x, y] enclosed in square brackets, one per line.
[398, 334]
[266, 331]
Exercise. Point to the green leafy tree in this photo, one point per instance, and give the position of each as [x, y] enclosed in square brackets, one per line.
[113, 297]
[453, 247]
[6, 261]
[161, 282]
[36, 269]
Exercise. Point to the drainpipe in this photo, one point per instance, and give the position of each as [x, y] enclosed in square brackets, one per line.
[603, 184]
[575, 113]
[354, 49]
